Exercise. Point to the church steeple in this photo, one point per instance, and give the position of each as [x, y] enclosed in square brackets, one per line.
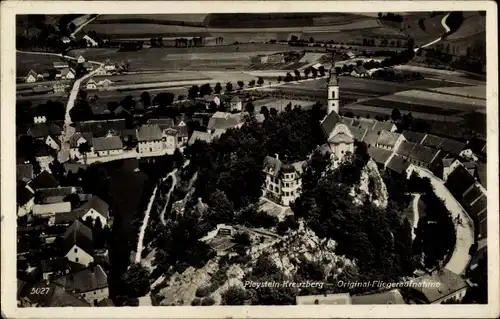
[332, 84]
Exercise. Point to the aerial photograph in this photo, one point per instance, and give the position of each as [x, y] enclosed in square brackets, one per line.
[251, 159]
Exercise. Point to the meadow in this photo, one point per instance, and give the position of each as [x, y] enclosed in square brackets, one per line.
[36, 62]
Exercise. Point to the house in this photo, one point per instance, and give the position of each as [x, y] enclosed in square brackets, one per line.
[101, 71]
[94, 207]
[49, 210]
[24, 172]
[182, 120]
[43, 180]
[44, 155]
[449, 166]
[452, 147]
[423, 156]
[55, 194]
[171, 139]
[283, 181]
[78, 139]
[439, 287]
[414, 137]
[39, 119]
[90, 283]
[66, 40]
[470, 166]
[150, 139]
[61, 65]
[109, 66]
[236, 105]
[91, 85]
[101, 128]
[359, 71]
[25, 199]
[209, 99]
[388, 297]
[198, 135]
[431, 141]
[59, 87]
[164, 123]
[88, 66]
[80, 59]
[389, 140]
[459, 181]
[326, 299]
[380, 156]
[67, 73]
[53, 142]
[384, 126]
[55, 267]
[90, 42]
[400, 165]
[104, 83]
[224, 121]
[31, 77]
[106, 146]
[77, 244]
[74, 168]
[56, 297]
[370, 138]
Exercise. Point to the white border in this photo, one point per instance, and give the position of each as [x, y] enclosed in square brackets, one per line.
[8, 230]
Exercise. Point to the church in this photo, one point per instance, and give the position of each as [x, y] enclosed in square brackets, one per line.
[340, 140]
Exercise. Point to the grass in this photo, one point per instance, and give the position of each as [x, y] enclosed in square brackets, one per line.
[153, 77]
[412, 107]
[39, 63]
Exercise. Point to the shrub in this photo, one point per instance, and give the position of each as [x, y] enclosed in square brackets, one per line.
[203, 291]
[209, 301]
[196, 302]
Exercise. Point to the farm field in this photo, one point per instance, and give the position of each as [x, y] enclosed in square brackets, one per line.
[118, 18]
[421, 107]
[38, 62]
[478, 92]
[24, 86]
[280, 104]
[152, 77]
[436, 99]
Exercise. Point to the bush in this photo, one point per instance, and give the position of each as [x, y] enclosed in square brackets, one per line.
[209, 301]
[196, 302]
[203, 291]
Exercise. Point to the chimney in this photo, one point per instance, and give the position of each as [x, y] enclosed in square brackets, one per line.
[277, 156]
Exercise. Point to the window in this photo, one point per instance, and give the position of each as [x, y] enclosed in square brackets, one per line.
[75, 250]
[333, 95]
[76, 259]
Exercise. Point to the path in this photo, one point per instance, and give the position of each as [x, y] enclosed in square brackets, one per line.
[465, 233]
[416, 215]
[174, 182]
[72, 35]
[445, 26]
[140, 242]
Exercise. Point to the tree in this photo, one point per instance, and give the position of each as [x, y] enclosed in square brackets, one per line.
[128, 103]
[217, 88]
[135, 281]
[251, 83]
[260, 81]
[395, 115]
[279, 79]
[314, 72]
[229, 87]
[193, 92]
[221, 207]
[146, 99]
[235, 296]
[205, 89]
[307, 71]
[241, 84]
[163, 99]
[297, 74]
[84, 149]
[322, 70]
[264, 110]
[249, 107]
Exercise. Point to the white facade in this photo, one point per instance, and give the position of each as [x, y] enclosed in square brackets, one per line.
[30, 78]
[78, 255]
[26, 208]
[39, 119]
[91, 86]
[171, 142]
[236, 105]
[107, 152]
[448, 170]
[80, 59]
[333, 98]
[150, 146]
[92, 213]
[341, 149]
[95, 295]
[52, 143]
[101, 71]
[70, 75]
[44, 162]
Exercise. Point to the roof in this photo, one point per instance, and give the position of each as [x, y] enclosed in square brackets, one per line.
[24, 172]
[163, 123]
[432, 140]
[60, 63]
[414, 137]
[91, 81]
[54, 208]
[398, 164]
[59, 84]
[58, 191]
[100, 128]
[448, 161]
[23, 195]
[197, 135]
[459, 181]
[95, 202]
[31, 72]
[149, 132]
[368, 124]
[341, 138]
[57, 296]
[388, 138]
[224, 121]
[476, 145]
[259, 117]
[478, 209]
[107, 143]
[276, 166]
[88, 279]
[74, 167]
[451, 146]
[380, 298]
[347, 120]
[43, 180]
[472, 194]
[481, 173]
[379, 155]
[235, 99]
[423, 153]
[73, 141]
[53, 265]
[42, 149]
[370, 138]
[405, 148]
[69, 217]
[442, 283]
[383, 126]
[329, 122]
[359, 69]
[38, 130]
[182, 131]
[66, 71]
[330, 299]
[77, 234]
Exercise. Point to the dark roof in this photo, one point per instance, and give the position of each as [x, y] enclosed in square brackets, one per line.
[182, 131]
[379, 155]
[43, 180]
[398, 164]
[471, 195]
[448, 161]
[105, 303]
[448, 283]
[405, 148]
[74, 167]
[95, 202]
[88, 279]
[478, 209]
[38, 130]
[383, 126]
[459, 181]
[476, 145]
[273, 164]
[54, 265]
[380, 298]
[24, 172]
[163, 123]
[414, 137]
[329, 122]
[432, 141]
[183, 118]
[24, 195]
[57, 296]
[58, 191]
[451, 146]
[357, 132]
[42, 149]
[149, 132]
[388, 138]
[102, 127]
[69, 217]
[73, 142]
[107, 143]
[223, 121]
[370, 138]
[423, 153]
[481, 173]
[80, 235]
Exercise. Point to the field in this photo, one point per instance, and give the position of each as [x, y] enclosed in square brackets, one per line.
[153, 77]
[478, 92]
[438, 100]
[280, 104]
[38, 62]
[421, 107]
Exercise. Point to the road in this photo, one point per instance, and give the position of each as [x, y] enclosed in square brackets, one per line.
[465, 232]
[445, 26]
[416, 215]
[80, 27]
[174, 182]
[140, 242]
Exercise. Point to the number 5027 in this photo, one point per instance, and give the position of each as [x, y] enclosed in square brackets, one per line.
[40, 291]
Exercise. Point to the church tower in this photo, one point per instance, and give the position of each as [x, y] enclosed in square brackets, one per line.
[332, 84]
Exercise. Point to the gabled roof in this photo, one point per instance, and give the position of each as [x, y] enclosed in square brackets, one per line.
[219, 122]
[182, 131]
[398, 164]
[38, 130]
[235, 99]
[423, 153]
[444, 283]
[42, 149]
[31, 72]
[459, 181]
[451, 146]
[329, 122]
[370, 138]
[414, 137]
[57, 296]
[74, 167]
[368, 124]
[379, 155]
[273, 164]
[479, 207]
[359, 69]
[379, 298]
[197, 135]
[383, 126]
[164, 123]
[149, 132]
[73, 142]
[347, 120]
[448, 161]
[405, 148]
[471, 195]
[357, 132]
[43, 180]
[77, 234]
[95, 202]
[100, 128]
[54, 265]
[54, 208]
[107, 143]
[69, 217]
[91, 81]
[387, 138]
[88, 279]
[23, 195]
[432, 141]
[24, 172]
[66, 71]
[58, 191]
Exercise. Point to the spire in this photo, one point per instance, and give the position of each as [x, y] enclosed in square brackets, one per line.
[332, 78]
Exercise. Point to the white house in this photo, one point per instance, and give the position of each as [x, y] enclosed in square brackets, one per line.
[283, 181]
[341, 142]
[67, 73]
[90, 42]
[150, 138]
[61, 65]
[171, 139]
[53, 142]
[90, 284]
[77, 244]
[25, 198]
[236, 104]
[109, 66]
[31, 77]
[91, 85]
[59, 87]
[95, 208]
[104, 83]
[39, 119]
[106, 146]
[101, 71]
[78, 139]
[48, 210]
[449, 165]
[80, 59]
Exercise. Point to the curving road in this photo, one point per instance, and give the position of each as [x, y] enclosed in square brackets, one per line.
[140, 242]
[445, 26]
[174, 182]
[465, 232]
[416, 215]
